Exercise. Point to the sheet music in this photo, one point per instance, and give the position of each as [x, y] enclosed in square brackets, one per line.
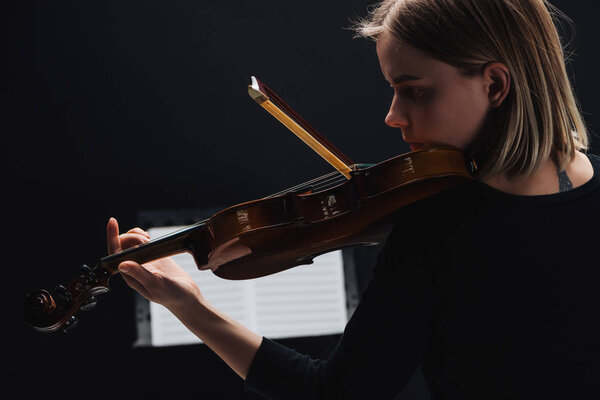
[306, 300]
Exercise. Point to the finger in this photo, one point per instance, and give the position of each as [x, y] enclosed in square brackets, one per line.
[135, 285]
[112, 236]
[146, 279]
[128, 240]
[140, 231]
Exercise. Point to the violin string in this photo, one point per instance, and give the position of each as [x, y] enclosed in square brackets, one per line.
[317, 184]
[297, 188]
[328, 181]
[330, 185]
[320, 180]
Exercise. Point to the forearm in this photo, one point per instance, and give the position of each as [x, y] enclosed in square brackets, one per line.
[230, 340]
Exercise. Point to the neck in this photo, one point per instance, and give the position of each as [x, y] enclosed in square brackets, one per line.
[546, 179]
[543, 181]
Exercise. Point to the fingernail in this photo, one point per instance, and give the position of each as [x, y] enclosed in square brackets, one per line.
[124, 268]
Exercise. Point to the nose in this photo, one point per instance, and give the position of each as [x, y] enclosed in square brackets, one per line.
[396, 116]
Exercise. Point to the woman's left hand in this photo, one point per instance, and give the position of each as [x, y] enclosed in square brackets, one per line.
[162, 281]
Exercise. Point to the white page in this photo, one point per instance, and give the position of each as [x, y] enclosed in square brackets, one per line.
[308, 300]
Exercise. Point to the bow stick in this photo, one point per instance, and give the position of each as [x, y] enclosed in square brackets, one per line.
[288, 117]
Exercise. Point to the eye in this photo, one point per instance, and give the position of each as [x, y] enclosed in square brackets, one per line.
[409, 92]
[412, 92]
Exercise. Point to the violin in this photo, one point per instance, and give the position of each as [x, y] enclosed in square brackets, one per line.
[351, 206]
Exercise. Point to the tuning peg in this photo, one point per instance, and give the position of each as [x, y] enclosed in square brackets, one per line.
[88, 272]
[70, 324]
[91, 303]
[63, 294]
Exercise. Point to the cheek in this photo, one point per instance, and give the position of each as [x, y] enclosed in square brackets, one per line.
[453, 120]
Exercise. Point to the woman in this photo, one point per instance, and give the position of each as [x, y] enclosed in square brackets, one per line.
[490, 286]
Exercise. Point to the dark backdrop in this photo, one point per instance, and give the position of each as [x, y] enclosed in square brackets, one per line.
[112, 107]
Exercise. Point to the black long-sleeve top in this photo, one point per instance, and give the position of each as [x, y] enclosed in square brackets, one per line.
[495, 296]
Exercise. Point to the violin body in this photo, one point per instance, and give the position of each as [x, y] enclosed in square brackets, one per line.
[269, 235]
[266, 236]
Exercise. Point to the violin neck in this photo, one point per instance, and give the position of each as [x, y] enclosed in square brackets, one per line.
[184, 240]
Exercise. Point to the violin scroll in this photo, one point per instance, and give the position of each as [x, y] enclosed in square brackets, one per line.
[49, 312]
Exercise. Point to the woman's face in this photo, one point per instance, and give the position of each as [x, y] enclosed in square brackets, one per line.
[433, 104]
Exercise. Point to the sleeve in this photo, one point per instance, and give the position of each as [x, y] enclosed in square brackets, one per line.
[382, 344]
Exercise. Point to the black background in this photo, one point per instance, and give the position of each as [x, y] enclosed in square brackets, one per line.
[113, 107]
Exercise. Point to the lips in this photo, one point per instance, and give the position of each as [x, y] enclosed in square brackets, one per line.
[417, 146]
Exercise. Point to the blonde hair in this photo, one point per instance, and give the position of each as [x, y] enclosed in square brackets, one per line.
[540, 117]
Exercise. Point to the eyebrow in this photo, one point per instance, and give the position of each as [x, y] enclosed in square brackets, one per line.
[403, 78]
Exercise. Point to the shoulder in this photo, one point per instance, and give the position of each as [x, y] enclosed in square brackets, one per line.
[595, 161]
[422, 231]
[429, 220]
[582, 168]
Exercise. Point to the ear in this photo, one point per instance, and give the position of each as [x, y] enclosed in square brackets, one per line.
[497, 78]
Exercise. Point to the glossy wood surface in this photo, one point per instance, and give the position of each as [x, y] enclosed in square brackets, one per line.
[269, 235]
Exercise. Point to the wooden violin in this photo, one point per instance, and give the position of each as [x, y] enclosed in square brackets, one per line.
[349, 207]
